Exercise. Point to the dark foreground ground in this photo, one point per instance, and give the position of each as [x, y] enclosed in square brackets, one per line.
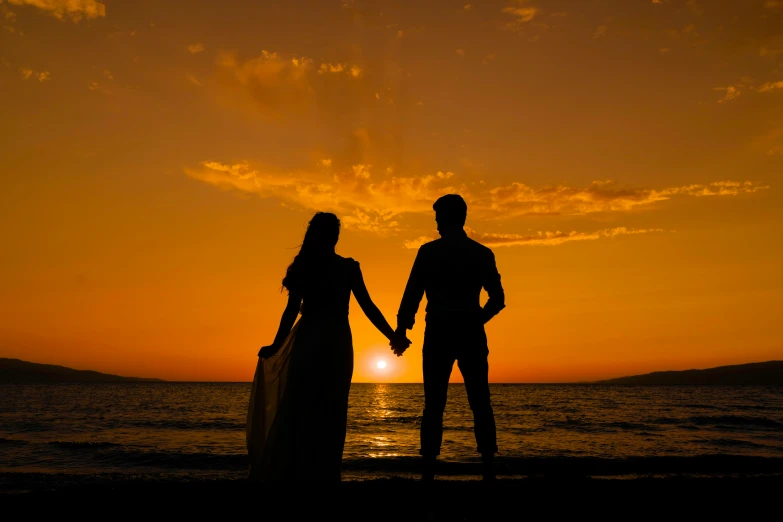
[123, 497]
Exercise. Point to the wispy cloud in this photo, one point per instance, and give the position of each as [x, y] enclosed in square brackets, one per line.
[372, 199]
[196, 48]
[732, 92]
[600, 196]
[770, 86]
[280, 85]
[521, 11]
[275, 84]
[7, 20]
[729, 93]
[335, 68]
[74, 10]
[28, 73]
[545, 238]
[367, 201]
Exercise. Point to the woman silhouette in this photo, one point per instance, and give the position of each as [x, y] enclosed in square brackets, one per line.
[299, 399]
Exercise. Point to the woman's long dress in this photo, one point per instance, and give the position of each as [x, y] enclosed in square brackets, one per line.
[299, 399]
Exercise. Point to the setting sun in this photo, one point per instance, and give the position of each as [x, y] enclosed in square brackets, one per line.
[381, 365]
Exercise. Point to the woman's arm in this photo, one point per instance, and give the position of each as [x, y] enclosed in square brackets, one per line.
[368, 307]
[286, 323]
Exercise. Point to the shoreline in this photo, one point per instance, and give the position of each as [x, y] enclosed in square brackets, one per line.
[392, 498]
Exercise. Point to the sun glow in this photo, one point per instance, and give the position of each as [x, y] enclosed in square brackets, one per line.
[381, 365]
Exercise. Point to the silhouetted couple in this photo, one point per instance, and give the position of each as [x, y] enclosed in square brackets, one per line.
[299, 400]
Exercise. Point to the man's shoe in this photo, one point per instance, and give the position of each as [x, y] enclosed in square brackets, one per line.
[488, 468]
[428, 470]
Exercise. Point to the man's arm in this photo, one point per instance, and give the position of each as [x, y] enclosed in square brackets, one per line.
[491, 283]
[411, 298]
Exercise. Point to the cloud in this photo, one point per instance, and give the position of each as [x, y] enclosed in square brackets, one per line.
[367, 201]
[274, 83]
[196, 48]
[192, 79]
[600, 196]
[75, 10]
[769, 86]
[460, 52]
[373, 199]
[281, 86]
[28, 73]
[331, 68]
[716, 188]
[729, 93]
[7, 20]
[352, 70]
[520, 11]
[539, 238]
[416, 243]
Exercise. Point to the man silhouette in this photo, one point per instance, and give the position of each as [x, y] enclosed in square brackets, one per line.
[452, 271]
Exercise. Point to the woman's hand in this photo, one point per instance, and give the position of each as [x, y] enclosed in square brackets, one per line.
[267, 351]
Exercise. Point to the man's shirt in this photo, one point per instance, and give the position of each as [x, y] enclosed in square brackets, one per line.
[451, 271]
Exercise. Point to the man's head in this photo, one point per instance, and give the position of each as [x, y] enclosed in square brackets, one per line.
[450, 212]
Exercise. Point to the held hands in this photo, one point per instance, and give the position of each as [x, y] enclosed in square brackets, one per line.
[399, 342]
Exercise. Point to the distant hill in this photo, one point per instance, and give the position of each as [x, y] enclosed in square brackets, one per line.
[18, 371]
[762, 373]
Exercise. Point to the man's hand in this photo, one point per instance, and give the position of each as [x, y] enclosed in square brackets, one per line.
[400, 342]
[267, 351]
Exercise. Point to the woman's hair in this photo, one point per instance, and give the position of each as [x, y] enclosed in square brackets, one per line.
[318, 244]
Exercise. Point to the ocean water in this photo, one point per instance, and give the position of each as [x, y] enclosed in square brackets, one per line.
[198, 429]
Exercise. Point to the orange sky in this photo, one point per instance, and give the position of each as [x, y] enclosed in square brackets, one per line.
[159, 162]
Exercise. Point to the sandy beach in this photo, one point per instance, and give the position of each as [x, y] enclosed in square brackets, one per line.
[392, 498]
